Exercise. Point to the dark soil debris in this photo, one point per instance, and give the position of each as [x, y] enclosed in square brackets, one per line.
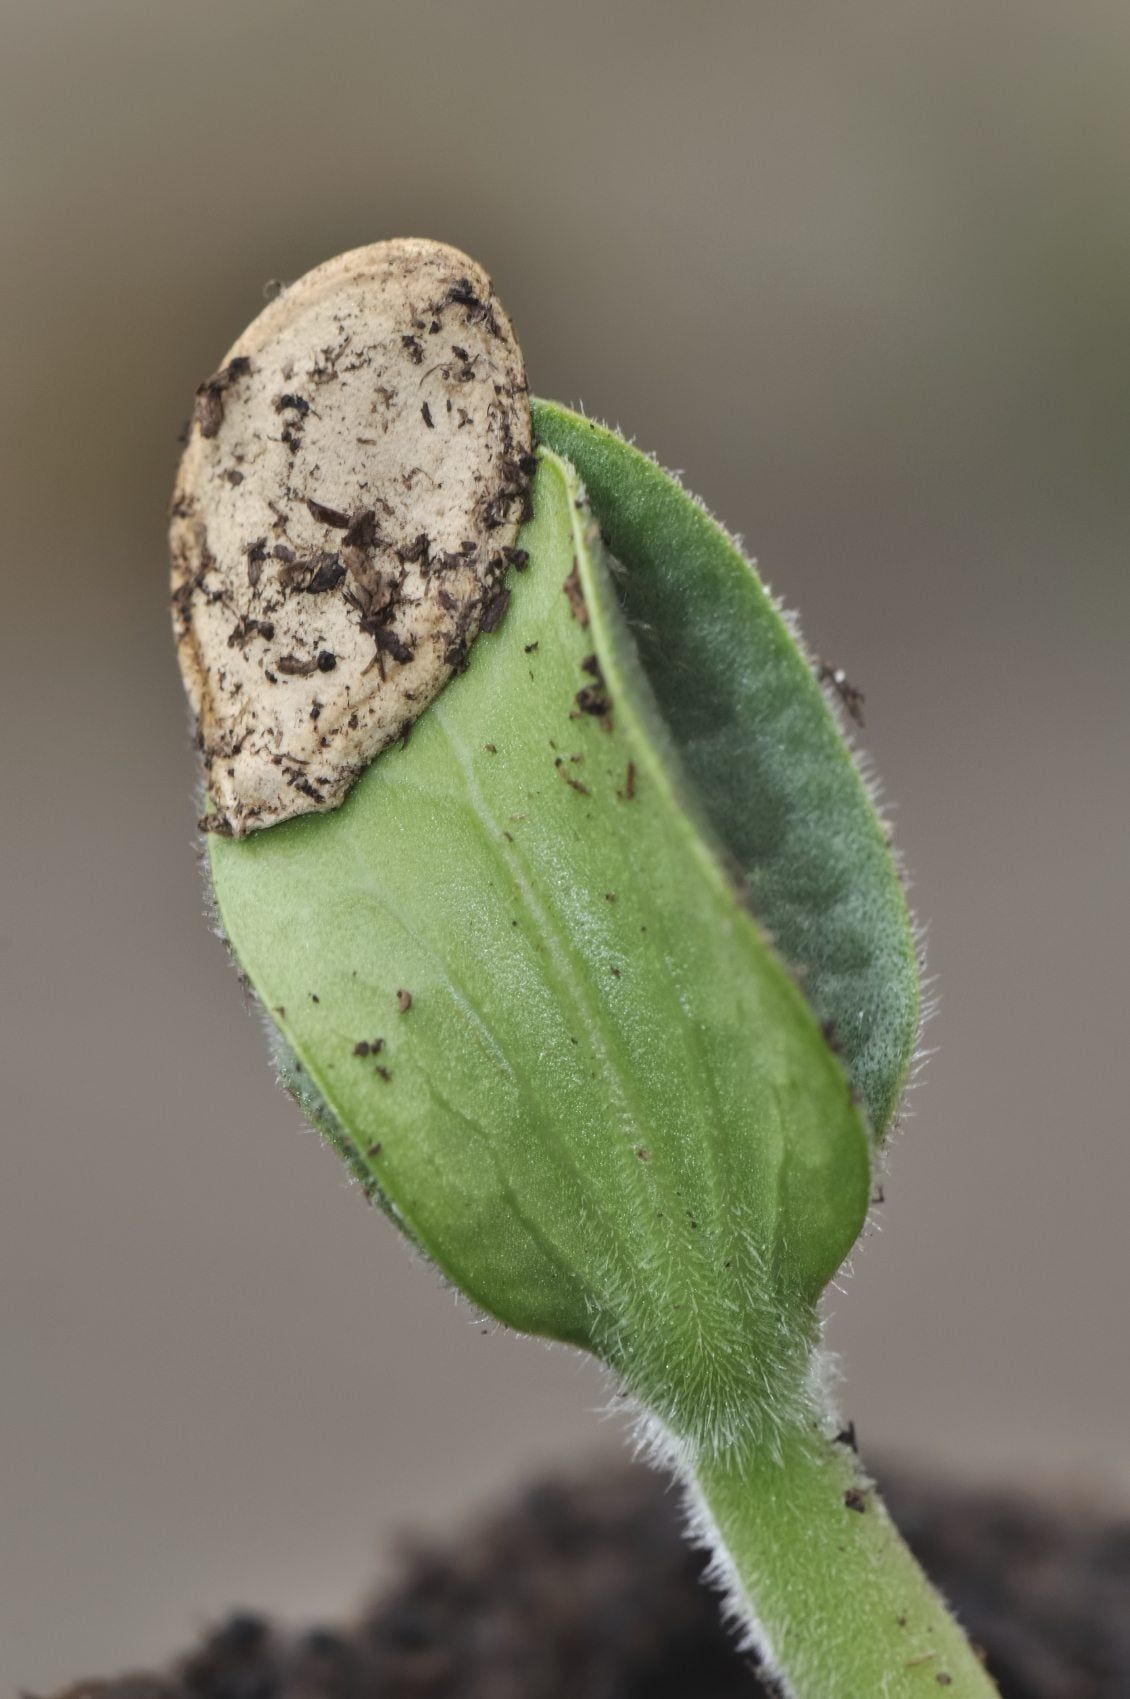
[326, 515]
[849, 694]
[495, 601]
[577, 604]
[574, 784]
[246, 627]
[587, 1588]
[594, 698]
[215, 823]
[208, 410]
[294, 666]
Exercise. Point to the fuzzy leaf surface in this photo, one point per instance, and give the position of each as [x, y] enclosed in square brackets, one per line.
[609, 1114]
[773, 773]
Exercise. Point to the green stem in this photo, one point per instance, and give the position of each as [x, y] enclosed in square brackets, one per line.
[835, 1603]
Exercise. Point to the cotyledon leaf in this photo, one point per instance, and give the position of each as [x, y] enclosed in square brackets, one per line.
[609, 1114]
[773, 773]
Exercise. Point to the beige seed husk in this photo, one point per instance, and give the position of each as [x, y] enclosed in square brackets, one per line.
[342, 521]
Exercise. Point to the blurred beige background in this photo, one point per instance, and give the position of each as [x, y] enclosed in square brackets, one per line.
[863, 272]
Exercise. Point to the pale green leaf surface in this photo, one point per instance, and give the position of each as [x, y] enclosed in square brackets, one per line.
[751, 723]
[610, 1115]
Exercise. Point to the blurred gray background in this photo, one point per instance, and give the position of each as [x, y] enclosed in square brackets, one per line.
[862, 272]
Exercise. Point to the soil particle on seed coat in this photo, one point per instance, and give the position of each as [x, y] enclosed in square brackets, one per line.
[364, 544]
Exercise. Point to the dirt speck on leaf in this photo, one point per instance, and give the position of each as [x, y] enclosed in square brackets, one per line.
[577, 604]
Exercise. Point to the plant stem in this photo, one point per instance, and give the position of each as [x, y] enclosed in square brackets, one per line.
[835, 1604]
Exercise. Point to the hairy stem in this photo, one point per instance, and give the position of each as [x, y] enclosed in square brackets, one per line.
[833, 1601]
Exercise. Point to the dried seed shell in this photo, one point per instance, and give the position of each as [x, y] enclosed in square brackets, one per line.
[355, 476]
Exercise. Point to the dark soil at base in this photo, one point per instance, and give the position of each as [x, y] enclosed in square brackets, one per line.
[585, 1589]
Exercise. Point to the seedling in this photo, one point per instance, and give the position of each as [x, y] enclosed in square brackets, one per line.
[602, 980]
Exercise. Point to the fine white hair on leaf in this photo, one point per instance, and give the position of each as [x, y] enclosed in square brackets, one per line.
[656, 1446]
[868, 777]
